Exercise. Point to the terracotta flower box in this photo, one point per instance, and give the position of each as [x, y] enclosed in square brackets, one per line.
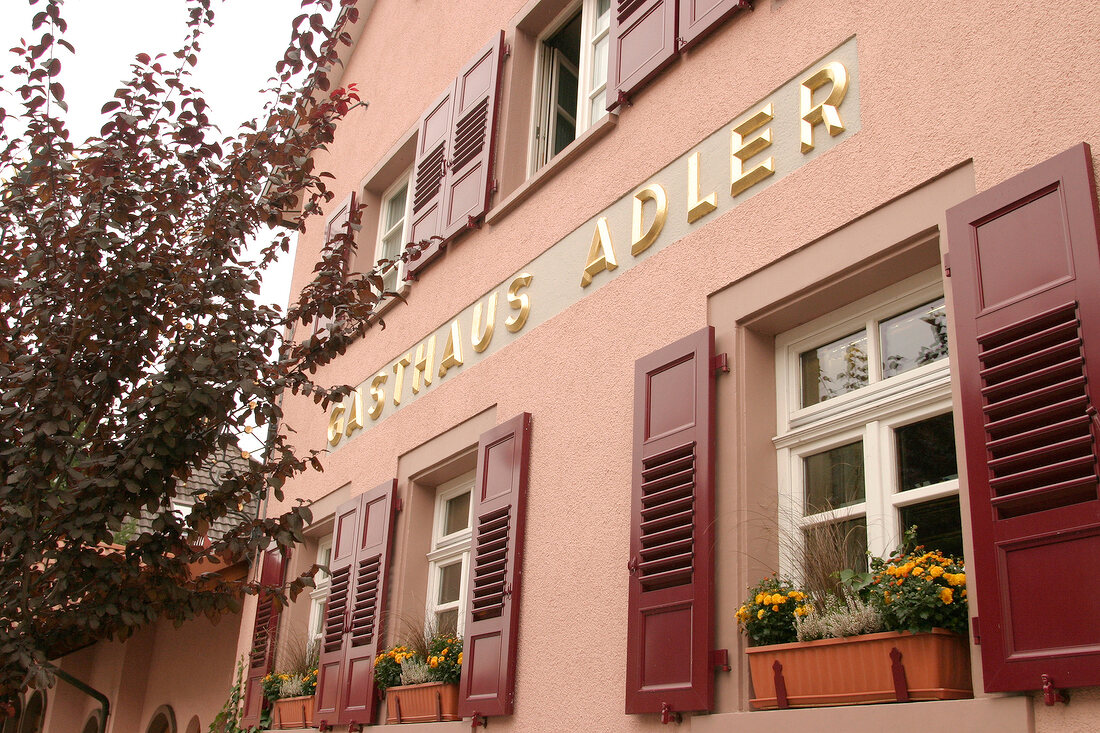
[886, 667]
[293, 712]
[423, 703]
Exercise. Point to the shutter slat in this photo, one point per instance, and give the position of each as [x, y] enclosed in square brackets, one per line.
[1025, 279]
[487, 684]
[670, 621]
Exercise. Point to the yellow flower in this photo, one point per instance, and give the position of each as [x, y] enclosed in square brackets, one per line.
[918, 571]
[946, 595]
[886, 596]
[759, 598]
[775, 608]
[760, 613]
[460, 659]
[935, 571]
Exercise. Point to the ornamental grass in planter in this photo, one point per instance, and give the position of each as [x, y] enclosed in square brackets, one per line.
[896, 634]
[291, 697]
[421, 685]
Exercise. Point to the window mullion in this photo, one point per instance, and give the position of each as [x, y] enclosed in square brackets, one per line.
[878, 524]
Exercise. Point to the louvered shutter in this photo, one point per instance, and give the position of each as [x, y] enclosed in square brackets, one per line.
[488, 679]
[429, 181]
[473, 135]
[362, 540]
[670, 605]
[643, 41]
[699, 17]
[331, 663]
[1025, 274]
[262, 653]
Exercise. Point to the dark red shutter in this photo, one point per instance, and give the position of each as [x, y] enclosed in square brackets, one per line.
[362, 539]
[1025, 274]
[496, 565]
[643, 41]
[670, 622]
[262, 653]
[474, 120]
[429, 180]
[699, 17]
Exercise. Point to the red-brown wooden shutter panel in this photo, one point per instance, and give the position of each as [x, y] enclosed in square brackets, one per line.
[370, 570]
[1026, 284]
[470, 168]
[362, 540]
[643, 41]
[261, 655]
[700, 17]
[670, 605]
[429, 179]
[331, 663]
[488, 679]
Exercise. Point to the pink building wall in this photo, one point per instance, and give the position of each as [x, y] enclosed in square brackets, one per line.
[992, 87]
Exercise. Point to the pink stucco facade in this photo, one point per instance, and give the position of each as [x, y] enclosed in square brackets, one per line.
[945, 101]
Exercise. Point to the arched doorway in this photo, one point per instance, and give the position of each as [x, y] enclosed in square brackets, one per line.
[34, 714]
[164, 721]
[92, 724]
[194, 726]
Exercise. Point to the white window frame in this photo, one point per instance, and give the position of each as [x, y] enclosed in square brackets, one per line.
[870, 414]
[545, 81]
[319, 595]
[447, 548]
[405, 179]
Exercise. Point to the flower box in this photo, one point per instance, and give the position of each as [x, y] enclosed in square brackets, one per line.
[875, 668]
[290, 713]
[423, 703]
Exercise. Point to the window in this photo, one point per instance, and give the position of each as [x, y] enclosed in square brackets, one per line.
[449, 558]
[572, 78]
[392, 231]
[866, 439]
[319, 594]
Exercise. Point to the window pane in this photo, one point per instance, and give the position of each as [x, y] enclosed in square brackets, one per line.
[457, 514]
[599, 64]
[450, 583]
[834, 478]
[567, 90]
[395, 207]
[831, 548]
[926, 453]
[565, 131]
[914, 338]
[599, 103]
[939, 525]
[446, 622]
[603, 7]
[834, 369]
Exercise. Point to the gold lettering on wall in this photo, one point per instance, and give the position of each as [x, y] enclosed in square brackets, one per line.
[741, 150]
[399, 378]
[639, 240]
[601, 255]
[355, 412]
[826, 112]
[698, 208]
[480, 339]
[378, 394]
[452, 352]
[422, 366]
[521, 302]
[336, 425]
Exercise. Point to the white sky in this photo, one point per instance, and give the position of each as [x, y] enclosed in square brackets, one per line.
[237, 58]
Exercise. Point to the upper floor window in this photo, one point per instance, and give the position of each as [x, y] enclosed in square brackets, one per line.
[572, 78]
[866, 438]
[392, 231]
[319, 595]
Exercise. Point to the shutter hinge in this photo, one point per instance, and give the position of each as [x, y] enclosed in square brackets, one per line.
[477, 720]
[1052, 695]
[506, 51]
[398, 504]
[623, 99]
[720, 364]
[974, 629]
[323, 726]
[668, 715]
[355, 727]
[721, 660]
[472, 222]
[494, 187]
[947, 264]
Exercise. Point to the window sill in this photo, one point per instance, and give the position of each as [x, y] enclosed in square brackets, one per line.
[1001, 714]
[587, 139]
